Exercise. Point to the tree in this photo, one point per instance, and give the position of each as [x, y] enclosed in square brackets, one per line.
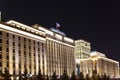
[47, 78]
[87, 77]
[73, 77]
[25, 74]
[6, 75]
[20, 76]
[94, 74]
[105, 77]
[65, 76]
[81, 76]
[98, 77]
[39, 77]
[54, 76]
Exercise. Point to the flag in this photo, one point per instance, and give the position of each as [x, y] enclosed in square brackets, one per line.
[57, 25]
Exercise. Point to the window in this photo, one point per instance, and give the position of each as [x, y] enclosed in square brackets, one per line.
[7, 64]
[0, 32]
[13, 43]
[38, 49]
[0, 40]
[19, 44]
[24, 39]
[14, 72]
[42, 50]
[19, 65]
[34, 54]
[13, 57]
[13, 65]
[13, 50]
[19, 52]
[30, 66]
[0, 64]
[7, 50]
[29, 47]
[0, 56]
[0, 71]
[24, 46]
[19, 38]
[7, 42]
[38, 43]
[29, 40]
[34, 47]
[24, 65]
[38, 55]
[42, 44]
[7, 35]
[7, 57]
[0, 48]
[13, 36]
[33, 42]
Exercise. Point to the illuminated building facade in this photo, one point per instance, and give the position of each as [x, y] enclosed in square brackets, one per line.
[33, 48]
[82, 49]
[88, 62]
[60, 52]
[101, 64]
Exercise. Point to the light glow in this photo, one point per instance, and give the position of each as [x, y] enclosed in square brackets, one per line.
[46, 31]
[59, 42]
[58, 36]
[24, 26]
[68, 39]
[21, 32]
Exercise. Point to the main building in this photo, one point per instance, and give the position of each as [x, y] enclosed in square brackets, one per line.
[33, 48]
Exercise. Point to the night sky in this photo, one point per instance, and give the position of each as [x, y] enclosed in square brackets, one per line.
[95, 21]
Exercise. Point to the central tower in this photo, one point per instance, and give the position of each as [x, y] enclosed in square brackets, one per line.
[82, 49]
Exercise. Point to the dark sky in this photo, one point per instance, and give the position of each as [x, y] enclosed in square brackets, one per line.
[95, 21]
